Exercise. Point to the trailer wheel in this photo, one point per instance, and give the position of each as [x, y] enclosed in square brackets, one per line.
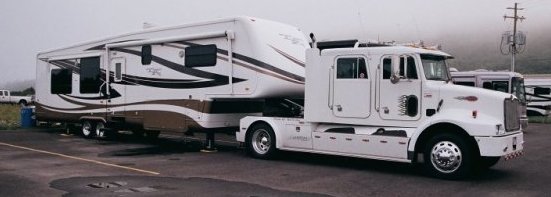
[22, 103]
[152, 135]
[448, 156]
[88, 129]
[261, 141]
[100, 129]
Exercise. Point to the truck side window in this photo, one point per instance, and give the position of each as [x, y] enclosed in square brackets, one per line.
[199, 56]
[90, 80]
[61, 81]
[387, 68]
[408, 71]
[147, 55]
[351, 68]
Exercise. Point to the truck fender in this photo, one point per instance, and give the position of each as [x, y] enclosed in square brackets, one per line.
[423, 128]
[248, 123]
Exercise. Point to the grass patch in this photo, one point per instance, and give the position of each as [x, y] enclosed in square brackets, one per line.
[10, 117]
[539, 119]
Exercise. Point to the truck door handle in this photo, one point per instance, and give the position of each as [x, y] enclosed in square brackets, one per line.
[339, 107]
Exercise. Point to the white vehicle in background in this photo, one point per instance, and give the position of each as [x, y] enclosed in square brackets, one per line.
[503, 81]
[6, 97]
[391, 103]
[198, 76]
[538, 91]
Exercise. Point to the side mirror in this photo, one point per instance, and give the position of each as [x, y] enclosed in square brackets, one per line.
[395, 77]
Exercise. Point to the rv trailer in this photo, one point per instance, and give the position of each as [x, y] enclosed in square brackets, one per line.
[503, 81]
[391, 103]
[538, 91]
[205, 75]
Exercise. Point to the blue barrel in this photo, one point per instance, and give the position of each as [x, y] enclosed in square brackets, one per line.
[27, 119]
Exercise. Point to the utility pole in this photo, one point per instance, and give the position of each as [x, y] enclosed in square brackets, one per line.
[513, 43]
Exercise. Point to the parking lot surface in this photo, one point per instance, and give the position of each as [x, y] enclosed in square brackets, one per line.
[49, 162]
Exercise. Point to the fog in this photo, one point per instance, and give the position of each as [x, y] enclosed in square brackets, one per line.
[468, 29]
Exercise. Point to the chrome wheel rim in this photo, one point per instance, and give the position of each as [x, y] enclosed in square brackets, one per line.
[446, 157]
[86, 128]
[99, 127]
[261, 141]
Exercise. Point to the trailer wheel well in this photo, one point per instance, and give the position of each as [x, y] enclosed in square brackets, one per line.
[443, 128]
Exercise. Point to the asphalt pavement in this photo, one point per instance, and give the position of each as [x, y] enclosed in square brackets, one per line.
[49, 162]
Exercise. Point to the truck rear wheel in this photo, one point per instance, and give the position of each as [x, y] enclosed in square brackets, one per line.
[448, 156]
[261, 141]
[88, 129]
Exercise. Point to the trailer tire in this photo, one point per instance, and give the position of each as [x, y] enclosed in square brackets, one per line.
[22, 103]
[152, 135]
[100, 130]
[449, 156]
[261, 141]
[88, 129]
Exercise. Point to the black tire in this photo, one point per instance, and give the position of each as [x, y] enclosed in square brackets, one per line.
[22, 103]
[152, 135]
[261, 141]
[88, 129]
[452, 159]
[487, 162]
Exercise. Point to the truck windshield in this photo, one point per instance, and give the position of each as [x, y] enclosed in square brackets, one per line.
[435, 67]
[517, 88]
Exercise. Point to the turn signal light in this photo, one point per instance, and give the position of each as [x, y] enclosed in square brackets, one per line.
[475, 113]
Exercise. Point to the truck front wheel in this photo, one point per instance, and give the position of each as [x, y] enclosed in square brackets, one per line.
[448, 156]
[261, 141]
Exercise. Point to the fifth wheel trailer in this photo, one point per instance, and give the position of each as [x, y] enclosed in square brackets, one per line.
[204, 75]
[392, 103]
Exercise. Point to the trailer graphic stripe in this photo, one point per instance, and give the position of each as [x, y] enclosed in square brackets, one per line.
[216, 79]
[254, 62]
[293, 59]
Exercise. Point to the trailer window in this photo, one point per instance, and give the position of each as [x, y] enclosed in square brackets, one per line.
[351, 68]
[61, 81]
[147, 55]
[90, 80]
[199, 56]
[465, 83]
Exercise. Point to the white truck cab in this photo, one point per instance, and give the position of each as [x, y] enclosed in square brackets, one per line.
[392, 103]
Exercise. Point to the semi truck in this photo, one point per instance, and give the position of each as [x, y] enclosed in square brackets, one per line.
[393, 103]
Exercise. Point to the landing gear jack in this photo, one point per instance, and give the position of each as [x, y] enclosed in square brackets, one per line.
[210, 146]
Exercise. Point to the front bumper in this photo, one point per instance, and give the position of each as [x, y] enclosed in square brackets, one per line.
[497, 146]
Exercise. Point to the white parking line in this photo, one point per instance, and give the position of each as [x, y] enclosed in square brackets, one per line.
[81, 159]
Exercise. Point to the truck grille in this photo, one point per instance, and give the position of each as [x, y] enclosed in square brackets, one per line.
[512, 115]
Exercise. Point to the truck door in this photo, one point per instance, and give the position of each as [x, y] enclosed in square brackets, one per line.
[351, 87]
[399, 88]
[117, 90]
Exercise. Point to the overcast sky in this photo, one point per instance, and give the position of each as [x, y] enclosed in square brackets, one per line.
[31, 26]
